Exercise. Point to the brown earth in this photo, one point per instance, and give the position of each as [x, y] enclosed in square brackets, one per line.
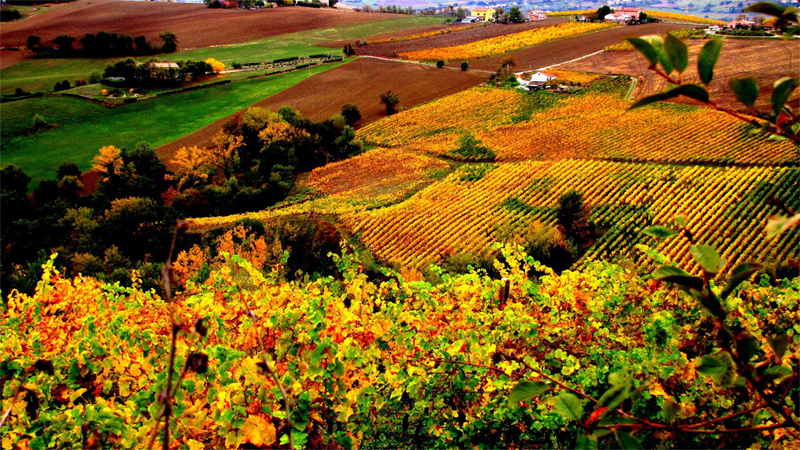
[359, 82]
[767, 60]
[395, 34]
[562, 50]
[195, 25]
[490, 30]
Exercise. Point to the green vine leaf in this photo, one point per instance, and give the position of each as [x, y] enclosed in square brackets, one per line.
[745, 89]
[783, 89]
[719, 367]
[707, 59]
[687, 90]
[677, 53]
[679, 276]
[658, 231]
[626, 441]
[738, 275]
[525, 390]
[707, 257]
[569, 406]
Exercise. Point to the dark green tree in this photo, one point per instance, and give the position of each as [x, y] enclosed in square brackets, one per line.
[351, 113]
[170, 42]
[390, 100]
[602, 12]
[64, 43]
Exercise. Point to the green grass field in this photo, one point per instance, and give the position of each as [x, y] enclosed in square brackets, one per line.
[42, 74]
[83, 127]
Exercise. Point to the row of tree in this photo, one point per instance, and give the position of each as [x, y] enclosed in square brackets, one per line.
[103, 44]
[153, 74]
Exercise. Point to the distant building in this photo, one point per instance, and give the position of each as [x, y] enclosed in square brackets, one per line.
[537, 14]
[484, 13]
[743, 23]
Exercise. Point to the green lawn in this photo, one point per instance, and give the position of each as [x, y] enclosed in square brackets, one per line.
[83, 127]
[42, 74]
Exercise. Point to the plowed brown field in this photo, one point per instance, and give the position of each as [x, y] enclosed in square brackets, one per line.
[767, 60]
[359, 82]
[194, 24]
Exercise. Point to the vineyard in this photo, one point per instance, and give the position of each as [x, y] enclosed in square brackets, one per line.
[427, 34]
[590, 124]
[725, 207]
[390, 364]
[506, 43]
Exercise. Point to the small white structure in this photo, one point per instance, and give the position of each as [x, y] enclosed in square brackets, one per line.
[537, 14]
[537, 79]
[470, 19]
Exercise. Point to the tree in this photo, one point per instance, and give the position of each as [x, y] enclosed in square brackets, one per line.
[573, 217]
[602, 12]
[332, 3]
[33, 41]
[348, 51]
[64, 43]
[170, 42]
[464, 65]
[390, 100]
[216, 66]
[351, 113]
[68, 169]
[515, 15]
[440, 64]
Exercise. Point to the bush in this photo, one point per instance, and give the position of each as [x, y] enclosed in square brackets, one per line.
[80, 82]
[390, 100]
[39, 123]
[351, 113]
[573, 217]
[19, 92]
[471, 149]
[236, 65]
[94, 77]
[464, 65]
[7, 15]
[61, 86]
[439, 64]
[348, 50]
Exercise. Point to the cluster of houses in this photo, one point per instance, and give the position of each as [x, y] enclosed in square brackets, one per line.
[489, 14]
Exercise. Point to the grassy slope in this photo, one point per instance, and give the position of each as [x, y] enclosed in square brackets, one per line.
[42, 74]
[84, 127]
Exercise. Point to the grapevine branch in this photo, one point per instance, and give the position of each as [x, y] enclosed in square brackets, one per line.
[268, 368]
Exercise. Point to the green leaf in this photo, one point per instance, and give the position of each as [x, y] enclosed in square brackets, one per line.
[525, 390]
[669, 410]
[658, 231]
[645, 49]
[746, 348]
[778, 224]
[678, 276]
[770, 9]
[658, 44]
[613, 421]
[783, 89]
[779, 344]
[738, 275]
[584, 442]
[791, 32]
[680, 219]
[776, 373]
[745, 89]
[613, 397]
[687, 90]
[707, 59]
[707, 257]
[677, 53]
[619, 378]
[710, 302]
[569, 406]
[719, 367]
[627, 441]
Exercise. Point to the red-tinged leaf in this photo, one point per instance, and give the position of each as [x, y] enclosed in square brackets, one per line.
[596, 415]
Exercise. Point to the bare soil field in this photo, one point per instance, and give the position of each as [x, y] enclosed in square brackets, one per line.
[391, 49]
[767, 60]
[395, 34]
[359, 82]
[195, 25]
[556, 52]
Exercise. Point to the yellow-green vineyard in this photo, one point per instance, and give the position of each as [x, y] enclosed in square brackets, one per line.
[587, 124]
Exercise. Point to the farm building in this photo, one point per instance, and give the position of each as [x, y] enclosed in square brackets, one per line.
[536, 79]
[484, 13]
[537, 14]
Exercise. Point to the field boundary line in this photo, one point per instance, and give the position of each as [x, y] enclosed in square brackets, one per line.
[572, 60]
[418, 63]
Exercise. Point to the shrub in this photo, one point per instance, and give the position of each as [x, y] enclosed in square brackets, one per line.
[471, 149]
[19, 92]
[95, 77]
[348, 50]
[351, 113]
[439, 64]
[80, 82]
[390, 100]
[7, 15]
[39, 123]
[61, 86]
[236, 65]
[573, 217]
[464, 65]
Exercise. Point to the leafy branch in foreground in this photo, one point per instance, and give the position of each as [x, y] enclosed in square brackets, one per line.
[763, 381]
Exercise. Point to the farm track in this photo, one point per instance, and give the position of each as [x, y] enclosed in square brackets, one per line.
[359, 82]
[195, 25]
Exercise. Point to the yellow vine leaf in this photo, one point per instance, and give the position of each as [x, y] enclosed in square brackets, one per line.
[259, 431]
[195, 445]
